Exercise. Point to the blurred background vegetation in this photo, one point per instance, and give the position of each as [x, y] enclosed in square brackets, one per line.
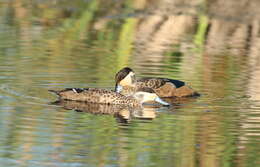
[190, 34]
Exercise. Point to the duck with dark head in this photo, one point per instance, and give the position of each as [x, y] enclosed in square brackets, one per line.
[127, 84]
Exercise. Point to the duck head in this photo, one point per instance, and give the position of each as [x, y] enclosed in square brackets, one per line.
[146, 95]
[124, 77]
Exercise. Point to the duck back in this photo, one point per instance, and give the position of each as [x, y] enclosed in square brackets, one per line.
[94, 95]
[165, 87]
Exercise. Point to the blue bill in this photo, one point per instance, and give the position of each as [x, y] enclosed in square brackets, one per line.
[119, 88]
[159, 100]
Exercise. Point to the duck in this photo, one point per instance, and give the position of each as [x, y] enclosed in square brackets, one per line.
[104, 96]
[127, 84]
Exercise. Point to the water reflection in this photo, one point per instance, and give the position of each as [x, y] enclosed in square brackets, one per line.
[212, 45]
[122, 113]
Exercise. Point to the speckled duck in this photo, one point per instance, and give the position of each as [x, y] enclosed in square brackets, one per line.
[103, 96]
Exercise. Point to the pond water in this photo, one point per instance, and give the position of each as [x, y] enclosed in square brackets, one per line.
[58, 44]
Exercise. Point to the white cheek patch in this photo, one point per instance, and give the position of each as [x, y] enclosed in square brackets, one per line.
[127, 81]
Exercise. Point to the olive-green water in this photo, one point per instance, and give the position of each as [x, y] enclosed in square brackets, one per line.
[214, 46]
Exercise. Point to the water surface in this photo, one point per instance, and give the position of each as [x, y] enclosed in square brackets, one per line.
[58, 44]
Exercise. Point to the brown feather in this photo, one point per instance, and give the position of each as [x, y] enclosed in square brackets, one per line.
[94, 95]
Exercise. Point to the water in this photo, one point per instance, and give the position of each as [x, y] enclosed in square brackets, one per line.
[58, 44]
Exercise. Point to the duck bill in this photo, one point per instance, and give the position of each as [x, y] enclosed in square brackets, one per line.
[159, 100]
[118, 88]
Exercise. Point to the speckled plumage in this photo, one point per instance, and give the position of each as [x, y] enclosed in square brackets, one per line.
[94, 95]
[156, 83]
[94, 108]
[165, 87]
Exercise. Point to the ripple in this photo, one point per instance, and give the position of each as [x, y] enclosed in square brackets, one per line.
[54, 45]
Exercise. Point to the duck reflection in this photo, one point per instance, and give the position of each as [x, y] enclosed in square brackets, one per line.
[175, 101]
[122, 113]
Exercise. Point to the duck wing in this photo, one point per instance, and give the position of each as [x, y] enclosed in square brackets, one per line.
[93, 95]
[156, 83]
